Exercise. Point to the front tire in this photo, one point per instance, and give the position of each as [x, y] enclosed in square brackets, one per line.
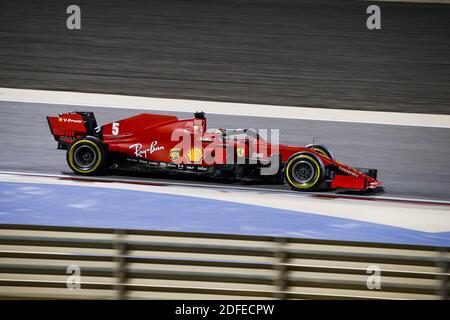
[86, 156]
[322, 150]
[304, 172]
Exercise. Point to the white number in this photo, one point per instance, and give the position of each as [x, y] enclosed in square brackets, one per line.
[115, 128]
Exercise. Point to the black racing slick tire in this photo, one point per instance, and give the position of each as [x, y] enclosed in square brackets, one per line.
[321, 149]
[86, 156]
[304, 172]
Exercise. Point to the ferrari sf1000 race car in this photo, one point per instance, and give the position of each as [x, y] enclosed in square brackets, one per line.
[149, 142]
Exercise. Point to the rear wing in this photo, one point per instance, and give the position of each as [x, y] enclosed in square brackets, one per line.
[68, 127]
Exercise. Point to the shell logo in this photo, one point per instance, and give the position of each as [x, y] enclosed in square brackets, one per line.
[60, 119]
[195, 155]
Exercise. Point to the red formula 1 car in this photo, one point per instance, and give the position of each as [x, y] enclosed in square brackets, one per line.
[149, 142]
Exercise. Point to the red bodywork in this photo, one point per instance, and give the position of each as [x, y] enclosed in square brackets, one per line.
[167, 139]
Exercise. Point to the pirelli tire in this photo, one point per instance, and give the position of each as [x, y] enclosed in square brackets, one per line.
[87, 156]
[321, 149]
[304, 171]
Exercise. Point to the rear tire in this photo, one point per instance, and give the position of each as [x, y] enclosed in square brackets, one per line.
[304, 172]
[86, 156]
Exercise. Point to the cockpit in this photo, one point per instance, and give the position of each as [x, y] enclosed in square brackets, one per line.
[235, 134]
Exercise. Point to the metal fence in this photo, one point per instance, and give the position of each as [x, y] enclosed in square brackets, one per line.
[120, 264]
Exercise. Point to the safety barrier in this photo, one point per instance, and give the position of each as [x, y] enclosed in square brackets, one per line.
[84, 263]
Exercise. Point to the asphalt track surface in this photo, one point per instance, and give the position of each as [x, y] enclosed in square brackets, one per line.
[412, 161]
[315, 53]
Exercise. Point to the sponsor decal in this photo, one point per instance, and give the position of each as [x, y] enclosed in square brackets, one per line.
[154, 147]
[257, 155]
[174, 154]
[195, 155]
[240, 152]
[139, 152]
[351, 173]
[68, 120]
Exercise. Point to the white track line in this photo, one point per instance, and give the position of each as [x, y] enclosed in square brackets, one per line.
[423, 217]
[224, 108]
[220, 186]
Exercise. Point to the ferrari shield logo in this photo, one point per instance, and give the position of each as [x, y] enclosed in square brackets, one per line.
[240, 152]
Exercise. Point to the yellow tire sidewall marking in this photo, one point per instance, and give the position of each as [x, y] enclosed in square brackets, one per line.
[303, 186]
[71, 151]
[320, 151]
